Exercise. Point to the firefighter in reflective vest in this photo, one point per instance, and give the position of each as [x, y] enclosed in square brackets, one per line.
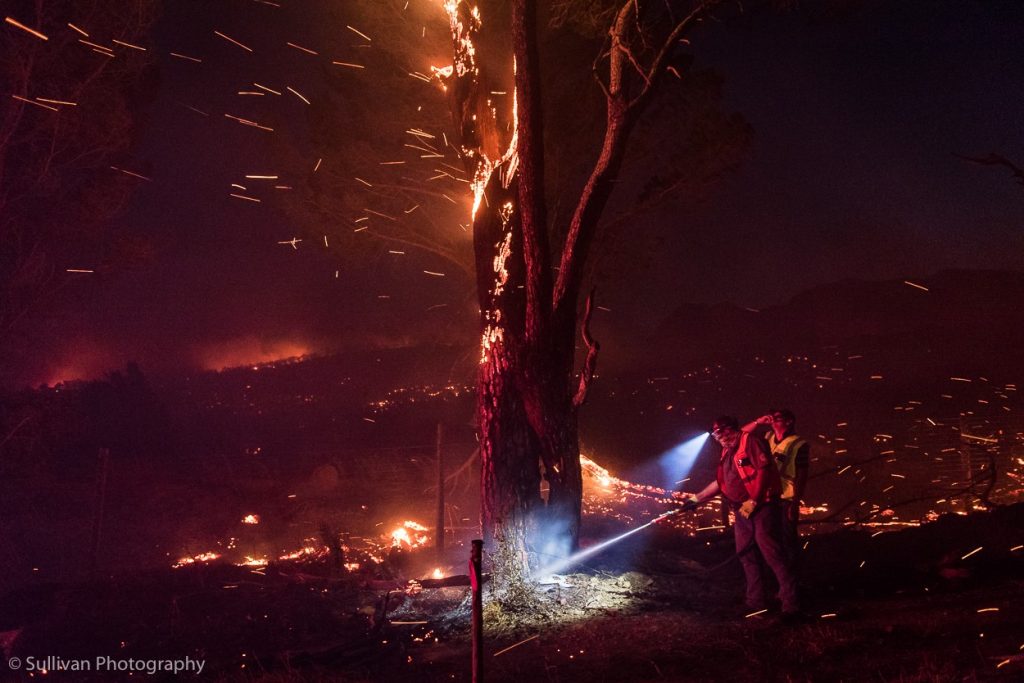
[791, 455]
[749, 483]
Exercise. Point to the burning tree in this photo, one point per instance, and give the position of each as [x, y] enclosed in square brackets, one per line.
[530, 257]
[530, 272]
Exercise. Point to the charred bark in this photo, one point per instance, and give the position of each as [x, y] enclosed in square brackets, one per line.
[510, 479]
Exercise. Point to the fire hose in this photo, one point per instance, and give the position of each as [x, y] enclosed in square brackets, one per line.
[565, 563]
[693, 505]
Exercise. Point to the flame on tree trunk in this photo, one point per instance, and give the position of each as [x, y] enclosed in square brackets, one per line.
[528, 394]
[525, 411]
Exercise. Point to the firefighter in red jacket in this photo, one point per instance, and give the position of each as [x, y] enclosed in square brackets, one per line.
[749, 483]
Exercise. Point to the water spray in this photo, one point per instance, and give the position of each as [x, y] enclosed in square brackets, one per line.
[676, 462]
[563, 564]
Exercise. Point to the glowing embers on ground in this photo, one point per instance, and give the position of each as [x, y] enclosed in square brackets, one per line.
[410, 535]
[631, 503]
[404, 396]
[358, 551]
[604, 495]
[303, 552]
[201, 558]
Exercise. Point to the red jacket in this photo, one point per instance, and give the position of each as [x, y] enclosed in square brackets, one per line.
[754, 465]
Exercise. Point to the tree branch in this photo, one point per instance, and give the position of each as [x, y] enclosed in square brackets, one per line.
[593, 347]
[621, 46]
[654, 73]
[994, 159]
[622, 113]
[598, 187]
[597, 76]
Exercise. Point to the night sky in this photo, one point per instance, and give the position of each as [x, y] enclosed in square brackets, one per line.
[856, 116]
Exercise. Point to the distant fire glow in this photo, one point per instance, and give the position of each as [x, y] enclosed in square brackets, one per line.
[82, 360]
[250, 351]
[251, 519]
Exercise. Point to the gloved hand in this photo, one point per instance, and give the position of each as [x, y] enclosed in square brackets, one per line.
[747, 508]
[690, 503]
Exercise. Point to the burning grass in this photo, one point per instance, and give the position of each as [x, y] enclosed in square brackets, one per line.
[650, 608]
[931, 603]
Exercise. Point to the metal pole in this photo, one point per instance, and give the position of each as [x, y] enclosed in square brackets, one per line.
[440, 494]
[476, 581]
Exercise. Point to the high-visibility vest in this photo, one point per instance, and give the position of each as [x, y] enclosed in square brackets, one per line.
[784, 454]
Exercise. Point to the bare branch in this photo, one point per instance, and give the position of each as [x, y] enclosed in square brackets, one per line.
[994, 159]
[598, 187]
[657, 67]
[619, 45]
[590, 364]
[618, 29]
[597, 75]
[622, 114]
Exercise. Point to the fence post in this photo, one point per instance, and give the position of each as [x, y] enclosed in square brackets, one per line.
[439, 546]
[476, 581]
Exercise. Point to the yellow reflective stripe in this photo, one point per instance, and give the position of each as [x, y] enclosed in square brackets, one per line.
[785, 444]
[785, 451]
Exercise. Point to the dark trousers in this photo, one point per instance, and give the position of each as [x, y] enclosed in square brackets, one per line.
[760, 541]
[791, 536]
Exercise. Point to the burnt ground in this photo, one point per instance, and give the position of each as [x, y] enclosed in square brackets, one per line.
[920, 604]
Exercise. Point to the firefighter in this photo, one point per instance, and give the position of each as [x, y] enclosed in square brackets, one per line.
[791, 454]
[750, 484]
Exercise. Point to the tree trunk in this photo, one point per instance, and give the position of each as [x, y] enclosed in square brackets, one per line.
[525, 413]
[510, 477]
[528, 434]
[526, 417]
[546, 385]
